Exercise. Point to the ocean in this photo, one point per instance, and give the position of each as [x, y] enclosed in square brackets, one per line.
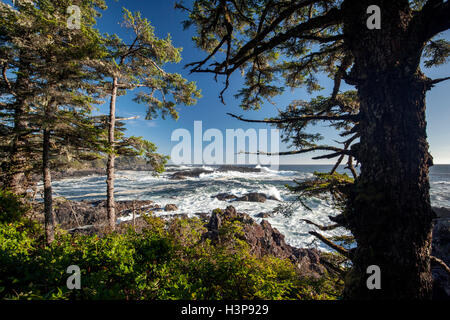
[195, 194]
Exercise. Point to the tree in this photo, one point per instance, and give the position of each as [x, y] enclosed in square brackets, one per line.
[139, 65]
[52, 117]
[14, 95]
[388, 206]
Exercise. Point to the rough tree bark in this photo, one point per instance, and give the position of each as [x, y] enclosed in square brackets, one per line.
[389, 212]
[110, 203]
[48, 199]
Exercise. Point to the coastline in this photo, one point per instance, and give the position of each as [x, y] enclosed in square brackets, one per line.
[89, 217]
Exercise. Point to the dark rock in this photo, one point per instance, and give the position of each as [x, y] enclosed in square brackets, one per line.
[238, 169]
[263, 215]
[225, 196]
[213, 226]
[170, 207]
[194, 173]
[256, 197]
[203, 216]
[253, 197]
[263, 240]
[308, 262]
[79, 214]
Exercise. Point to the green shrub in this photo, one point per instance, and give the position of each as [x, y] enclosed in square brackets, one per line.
[167, 260]
[11, 207]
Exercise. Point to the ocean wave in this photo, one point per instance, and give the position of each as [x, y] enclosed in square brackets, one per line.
[196, 195]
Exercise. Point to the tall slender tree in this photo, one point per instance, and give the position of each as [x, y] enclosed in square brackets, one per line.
[376, 46]
[139, 65]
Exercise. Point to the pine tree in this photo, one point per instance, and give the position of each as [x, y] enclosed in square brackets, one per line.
[139, 65]
[52, 118]
[388, 205]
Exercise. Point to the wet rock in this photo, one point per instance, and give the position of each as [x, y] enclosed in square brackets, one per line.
[256, 197]
[263, 215]
[253, 197]
[238, 169]
[194, 173]
[225, 196]
[170, 207]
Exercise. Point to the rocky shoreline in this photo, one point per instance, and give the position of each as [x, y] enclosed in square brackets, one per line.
[89, 217]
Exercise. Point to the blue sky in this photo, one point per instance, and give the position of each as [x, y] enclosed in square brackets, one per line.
[212, 112]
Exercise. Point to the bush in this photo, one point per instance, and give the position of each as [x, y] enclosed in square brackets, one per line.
[167, 260]
[11, 207]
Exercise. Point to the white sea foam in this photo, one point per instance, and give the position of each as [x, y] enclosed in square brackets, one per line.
[196, 195]
[273, 192]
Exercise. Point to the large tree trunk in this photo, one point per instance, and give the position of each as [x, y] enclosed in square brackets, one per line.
[390, 213]
[48, 199]
[110, 203]
[18, 165]
[392, 217]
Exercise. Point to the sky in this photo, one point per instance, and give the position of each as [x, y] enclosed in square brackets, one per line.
[212, 112]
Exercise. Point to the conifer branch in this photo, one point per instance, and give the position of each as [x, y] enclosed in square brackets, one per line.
[323, 228]
[302, 118]
[440, 263]
[346, 253]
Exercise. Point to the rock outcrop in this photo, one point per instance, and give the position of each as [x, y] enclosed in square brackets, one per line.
[263, 215]
[249, 197]
[194, 173]
[225, 196]
[170, 207]
[263, 240]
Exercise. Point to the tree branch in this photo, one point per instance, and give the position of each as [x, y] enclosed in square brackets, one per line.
[280, 17]
[431, 20]
[256, 46]
[351, 167]
[334, 155]
[302, 118]
[440, 263]
[287, 153]
[5, 78]
[322, 39]
[334, 16]
[332, 245]
[323, 228]
[431, 82]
